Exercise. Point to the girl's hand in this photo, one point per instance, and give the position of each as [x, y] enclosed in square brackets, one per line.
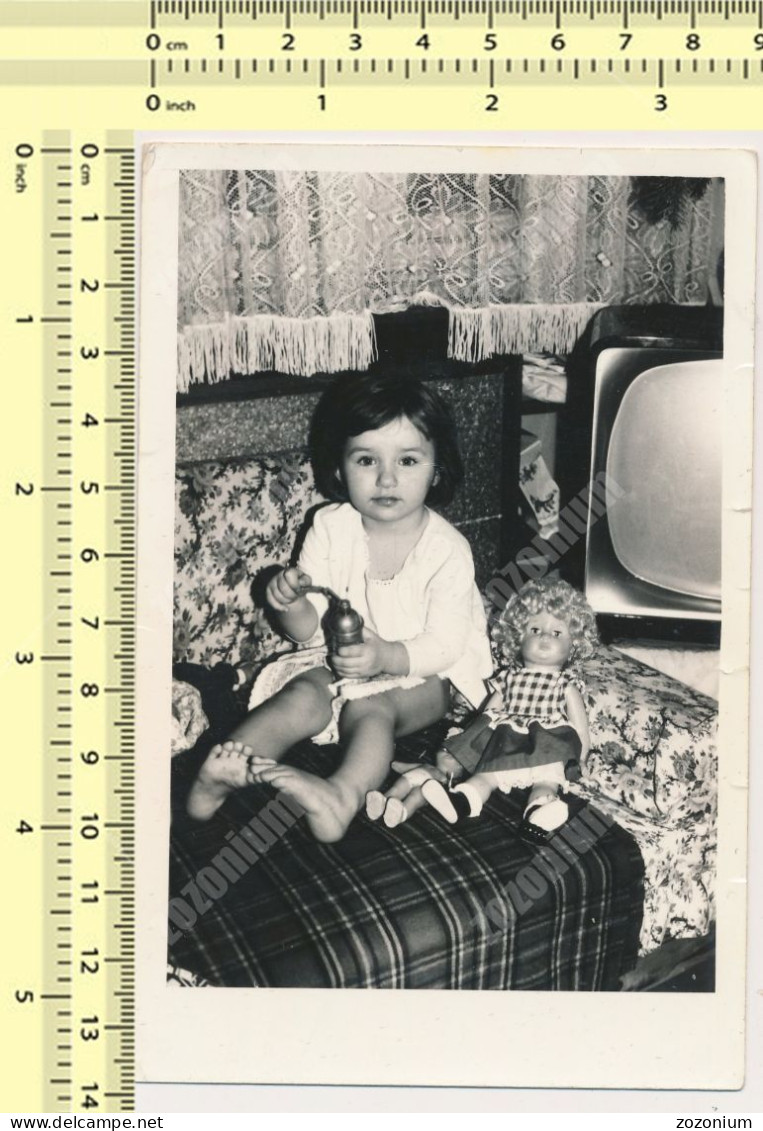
[366, 659]
[286, 588]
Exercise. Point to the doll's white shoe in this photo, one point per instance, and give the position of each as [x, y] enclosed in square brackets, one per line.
[395, 813]
[375, 804]
[452, 805]
[543, 818]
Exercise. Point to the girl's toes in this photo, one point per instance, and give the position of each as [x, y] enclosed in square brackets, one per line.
[254, 767]
[258, 763]
[263, 769]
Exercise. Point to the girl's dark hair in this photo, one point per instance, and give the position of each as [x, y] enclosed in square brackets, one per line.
[356, 403]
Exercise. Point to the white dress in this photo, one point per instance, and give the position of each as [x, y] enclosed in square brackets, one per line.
[432, 606]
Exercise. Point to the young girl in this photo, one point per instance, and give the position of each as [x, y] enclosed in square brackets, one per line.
[384, 448]
[533, 731]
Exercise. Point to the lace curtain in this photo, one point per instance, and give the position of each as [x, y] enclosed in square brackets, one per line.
[283, 270]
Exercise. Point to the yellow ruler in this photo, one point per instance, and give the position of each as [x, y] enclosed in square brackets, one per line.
[77, 77]
[371, 64]
[68, 208]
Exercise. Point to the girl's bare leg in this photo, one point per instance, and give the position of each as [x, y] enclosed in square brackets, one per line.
[299, 710]
[368, 728]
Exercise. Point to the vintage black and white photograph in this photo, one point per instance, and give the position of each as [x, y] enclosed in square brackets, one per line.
[449, 588]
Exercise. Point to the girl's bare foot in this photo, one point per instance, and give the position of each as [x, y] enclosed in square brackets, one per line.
[226, 769]
[328, 808]
[257, 764]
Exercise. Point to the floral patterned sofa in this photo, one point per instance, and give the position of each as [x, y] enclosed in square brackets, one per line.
[653, 764]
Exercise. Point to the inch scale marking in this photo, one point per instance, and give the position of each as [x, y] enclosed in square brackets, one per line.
[70, 323]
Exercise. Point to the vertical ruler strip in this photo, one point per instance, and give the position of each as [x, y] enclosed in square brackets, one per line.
[69, 220]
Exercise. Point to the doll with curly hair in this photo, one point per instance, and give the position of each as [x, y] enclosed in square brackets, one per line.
[533, 731]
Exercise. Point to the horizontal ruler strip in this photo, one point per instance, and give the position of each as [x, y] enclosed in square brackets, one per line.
[139, 13]
[190, 72]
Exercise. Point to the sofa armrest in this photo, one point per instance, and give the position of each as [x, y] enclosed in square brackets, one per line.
[235, 520]
[653, 741]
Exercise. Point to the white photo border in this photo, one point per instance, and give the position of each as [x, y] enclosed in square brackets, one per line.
[433, 1037]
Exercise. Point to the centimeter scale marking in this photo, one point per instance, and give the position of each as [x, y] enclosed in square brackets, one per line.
[74, 1016]
[184, 46]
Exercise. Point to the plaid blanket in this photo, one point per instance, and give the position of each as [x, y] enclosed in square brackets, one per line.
[427, 905]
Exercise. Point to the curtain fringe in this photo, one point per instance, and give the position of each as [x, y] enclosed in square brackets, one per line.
[304, 346]
[298, 346]
[476, 334]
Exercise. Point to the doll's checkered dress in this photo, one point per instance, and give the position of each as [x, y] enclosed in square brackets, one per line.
[533, 696]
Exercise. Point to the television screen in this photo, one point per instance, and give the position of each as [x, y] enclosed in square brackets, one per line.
[665, 455]
[657, 434]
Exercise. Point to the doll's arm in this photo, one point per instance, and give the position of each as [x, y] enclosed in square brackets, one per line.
[407, 788]
[578, 716]
[414, 774]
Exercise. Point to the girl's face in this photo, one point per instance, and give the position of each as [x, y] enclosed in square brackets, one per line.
[388, 471]
[547, 642]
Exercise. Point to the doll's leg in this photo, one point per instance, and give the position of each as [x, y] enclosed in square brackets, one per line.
[376, 801]
[300, 709]
[368, 728]
[403, 797]
[465, 800]
[397, 812]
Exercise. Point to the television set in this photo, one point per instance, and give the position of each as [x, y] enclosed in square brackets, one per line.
[644, 421]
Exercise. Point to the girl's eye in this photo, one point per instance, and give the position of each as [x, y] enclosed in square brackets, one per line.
[408, 461]
[365, 461]
[557, 632]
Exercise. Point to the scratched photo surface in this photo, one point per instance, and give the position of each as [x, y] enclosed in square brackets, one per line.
[450, 579]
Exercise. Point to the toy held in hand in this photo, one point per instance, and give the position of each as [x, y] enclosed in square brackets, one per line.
[343, 626]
